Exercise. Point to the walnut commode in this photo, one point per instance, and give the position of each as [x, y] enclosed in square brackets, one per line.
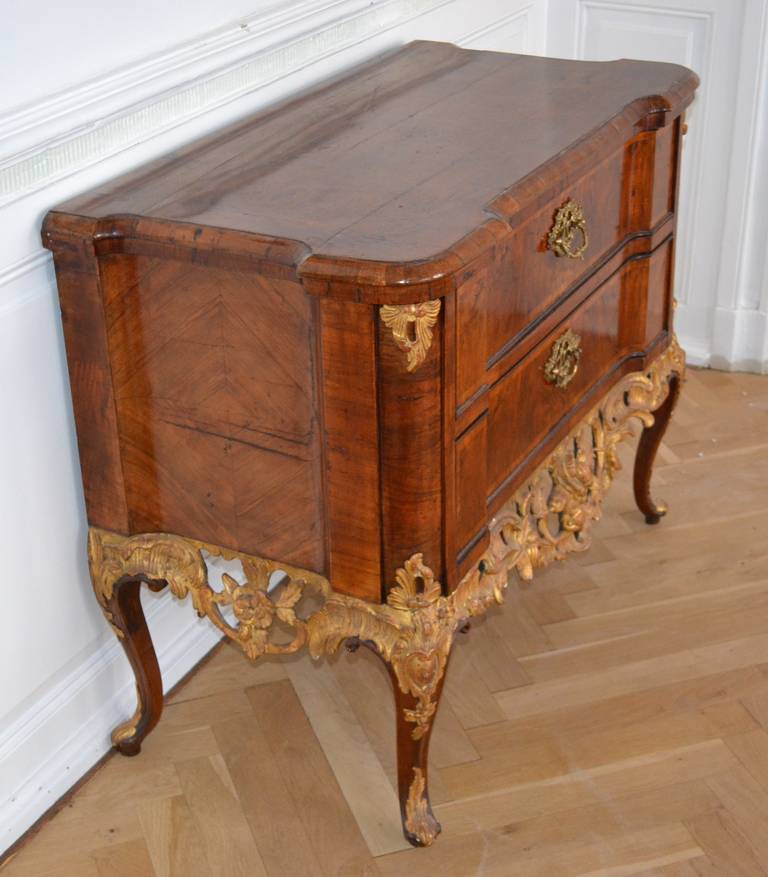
[381, 350]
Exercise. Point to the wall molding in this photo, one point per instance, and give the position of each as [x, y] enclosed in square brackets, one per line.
[109, 130]
[740, 339]
[693, 171]
[188, 60]
[25, 280]
[521, 14]
[722, 272]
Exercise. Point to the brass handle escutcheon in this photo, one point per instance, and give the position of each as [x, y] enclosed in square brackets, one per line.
[563, 361]
[568, 236]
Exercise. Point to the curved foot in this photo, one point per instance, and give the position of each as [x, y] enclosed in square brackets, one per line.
[419, 824]
[127, 738]
[650, 439]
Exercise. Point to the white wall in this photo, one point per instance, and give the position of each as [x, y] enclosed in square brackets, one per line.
[88, 91]
[722, 261]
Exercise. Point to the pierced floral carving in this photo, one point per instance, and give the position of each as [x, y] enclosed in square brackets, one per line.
[551, 514]
[161, 558]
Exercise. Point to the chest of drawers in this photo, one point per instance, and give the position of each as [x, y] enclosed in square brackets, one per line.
[379, 344]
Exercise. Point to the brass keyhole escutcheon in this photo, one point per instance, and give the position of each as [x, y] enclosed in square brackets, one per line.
[568, 236]
[563, 361]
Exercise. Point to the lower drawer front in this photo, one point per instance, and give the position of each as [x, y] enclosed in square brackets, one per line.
[524, 405]
[532, 403]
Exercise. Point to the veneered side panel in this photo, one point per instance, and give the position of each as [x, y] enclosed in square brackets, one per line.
[214, 387]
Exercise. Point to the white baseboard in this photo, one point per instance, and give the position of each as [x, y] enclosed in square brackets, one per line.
[695, 354]
[63, 733]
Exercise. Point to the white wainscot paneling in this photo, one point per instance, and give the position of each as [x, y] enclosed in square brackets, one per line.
[616, 30]
[71, 683]
[724, 42]
[515, 30]
[65, 682]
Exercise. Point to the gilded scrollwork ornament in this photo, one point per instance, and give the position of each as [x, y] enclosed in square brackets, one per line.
[550, 516]
[411, 327]
[413, 631]
[180, 564]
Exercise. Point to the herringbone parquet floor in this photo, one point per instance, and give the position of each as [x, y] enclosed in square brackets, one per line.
[611, 719]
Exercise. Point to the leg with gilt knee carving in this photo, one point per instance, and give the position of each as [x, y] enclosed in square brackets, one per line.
[650, 439]
[413, 634]
[413, 725]
[119, 566]
[420, 826]
[128, 621]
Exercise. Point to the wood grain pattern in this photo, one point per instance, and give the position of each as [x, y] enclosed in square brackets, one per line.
[410, 424]
[213, 377]
[83, 319]
[351, 446]
[665, 778]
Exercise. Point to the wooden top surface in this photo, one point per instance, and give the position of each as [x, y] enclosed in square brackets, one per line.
[399, 159]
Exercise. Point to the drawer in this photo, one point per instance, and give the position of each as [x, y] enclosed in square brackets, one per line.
[520, 278]
[508, 291]
[529, 407]
[533, 397]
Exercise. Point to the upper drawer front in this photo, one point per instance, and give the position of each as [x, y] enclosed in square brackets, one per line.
[505, 294]
[522, 276]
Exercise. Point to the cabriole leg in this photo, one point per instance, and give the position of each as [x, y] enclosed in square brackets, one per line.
[119, 566]
[124, 611]
[419, 824]
[650, 439]
[415, 712]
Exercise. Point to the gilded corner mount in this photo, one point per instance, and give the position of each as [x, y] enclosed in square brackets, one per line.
[411, 327]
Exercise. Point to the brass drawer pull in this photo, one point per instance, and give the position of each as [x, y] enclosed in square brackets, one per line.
[569, 228]
[563, 361]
